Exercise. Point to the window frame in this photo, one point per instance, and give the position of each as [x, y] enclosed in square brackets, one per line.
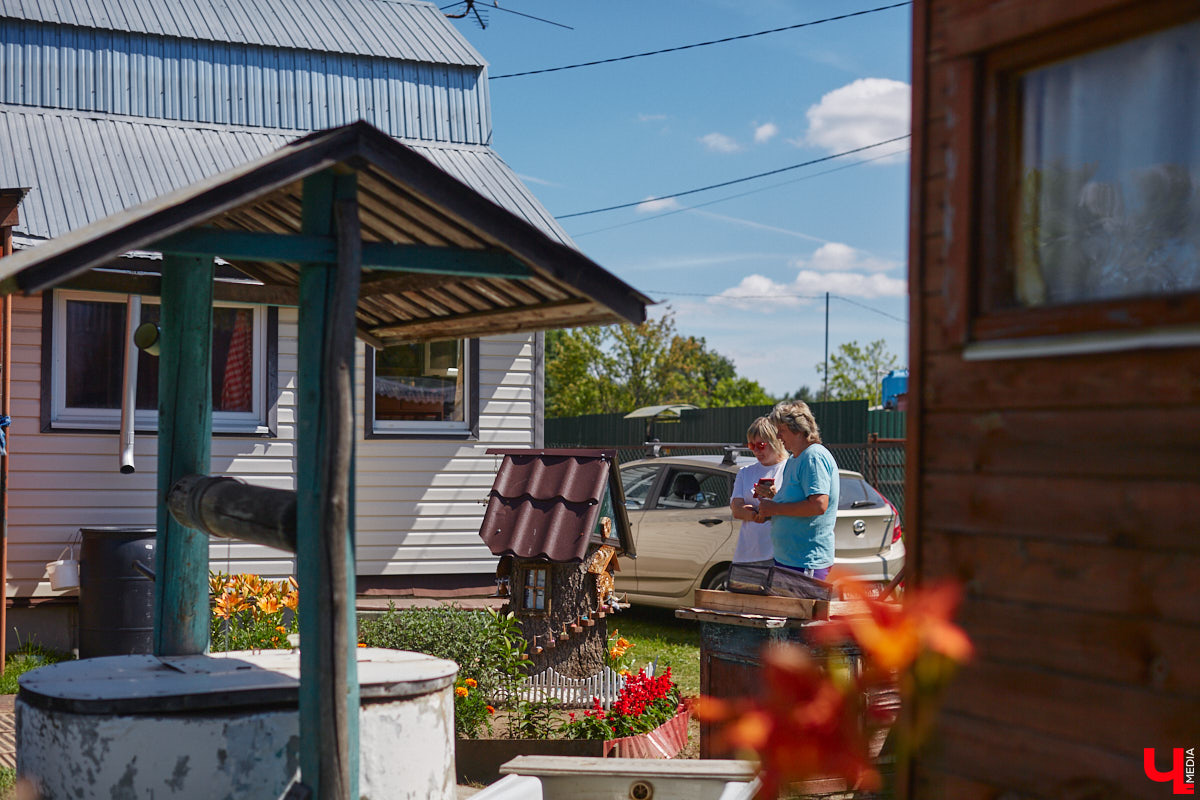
[528, 570]
[994, 319]
[56, 417]
[464, 430]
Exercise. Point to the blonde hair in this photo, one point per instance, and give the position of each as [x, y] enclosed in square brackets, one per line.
[797, 418]
[764, 431]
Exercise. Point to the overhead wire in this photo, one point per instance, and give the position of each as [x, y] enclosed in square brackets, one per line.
[711, 186]
[777, 296]
[698, 44]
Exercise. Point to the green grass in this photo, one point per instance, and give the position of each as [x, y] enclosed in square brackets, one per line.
[28, 657]
[657, 634]
[8, 780]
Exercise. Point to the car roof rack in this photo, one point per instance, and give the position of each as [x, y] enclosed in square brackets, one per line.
[729, 451]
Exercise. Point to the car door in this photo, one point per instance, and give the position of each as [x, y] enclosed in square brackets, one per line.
[686, 522]
[638, 481]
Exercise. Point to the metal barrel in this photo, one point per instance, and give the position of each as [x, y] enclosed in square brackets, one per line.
[116, 599]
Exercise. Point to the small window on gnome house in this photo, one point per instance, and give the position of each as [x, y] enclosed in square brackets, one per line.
[536, 580]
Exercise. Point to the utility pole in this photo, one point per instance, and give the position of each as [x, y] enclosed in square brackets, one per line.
[825, 389]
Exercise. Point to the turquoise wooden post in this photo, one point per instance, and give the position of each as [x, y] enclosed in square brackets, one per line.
[329, 698]
[181, 613]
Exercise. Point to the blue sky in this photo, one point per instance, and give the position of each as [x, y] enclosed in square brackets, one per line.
[748, 273]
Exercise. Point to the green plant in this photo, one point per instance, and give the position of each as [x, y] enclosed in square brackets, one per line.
[472, 713]
[643, 704]
[28, 656]
[618, 653]
[534, 719]
[8, 782]
[251, 613]
[486, 645]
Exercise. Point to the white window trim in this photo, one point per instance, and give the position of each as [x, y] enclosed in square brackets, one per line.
[146, 420]
[408, 427]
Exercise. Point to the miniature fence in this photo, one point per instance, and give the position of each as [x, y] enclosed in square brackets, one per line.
[575, 692]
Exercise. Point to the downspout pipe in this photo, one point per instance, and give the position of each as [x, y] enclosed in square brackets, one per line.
[133, 315]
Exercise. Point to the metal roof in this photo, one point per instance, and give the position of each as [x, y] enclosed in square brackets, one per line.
[405, 201]
[395, 29]
[546, 504]
[84, 167]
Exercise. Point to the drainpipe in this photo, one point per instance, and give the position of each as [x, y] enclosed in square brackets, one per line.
[133, 314]
[9, 200]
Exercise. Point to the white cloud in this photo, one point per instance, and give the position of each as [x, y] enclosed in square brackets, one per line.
[538, 181]
[838, 257]
[651, 117]
[834, 267]
[653, 205]
[720, 143]
[765, 133]
[866, 111]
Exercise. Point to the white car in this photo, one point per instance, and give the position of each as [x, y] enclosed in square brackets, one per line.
[685, 533]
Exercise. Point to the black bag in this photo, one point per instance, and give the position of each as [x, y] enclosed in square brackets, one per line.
[769, 578]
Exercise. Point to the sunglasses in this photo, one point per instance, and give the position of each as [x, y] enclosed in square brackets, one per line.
[758, 446]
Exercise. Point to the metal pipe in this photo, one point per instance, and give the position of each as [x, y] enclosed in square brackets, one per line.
[5, 399]
[232, 509]
[133, 316]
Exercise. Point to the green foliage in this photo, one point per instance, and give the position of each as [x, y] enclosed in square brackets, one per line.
[644, 703]
[486, 645]
[534, 719]
[472, 713]
[855, 371]
[28, 656]
[251, 613]
[8, 782]
[620, 368]
[666, 641]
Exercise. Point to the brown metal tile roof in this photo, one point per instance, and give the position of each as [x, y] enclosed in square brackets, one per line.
[546, 504]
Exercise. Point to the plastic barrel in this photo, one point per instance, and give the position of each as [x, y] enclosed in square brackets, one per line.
[116, 601]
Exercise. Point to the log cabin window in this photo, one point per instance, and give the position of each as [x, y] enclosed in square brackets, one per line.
[537, 585]
[424, 390]
[1091, 173]
[87, 365]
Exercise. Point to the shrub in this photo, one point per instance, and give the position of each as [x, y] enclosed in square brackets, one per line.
[487, 646]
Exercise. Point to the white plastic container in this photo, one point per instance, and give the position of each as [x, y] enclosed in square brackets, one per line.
[64, 573]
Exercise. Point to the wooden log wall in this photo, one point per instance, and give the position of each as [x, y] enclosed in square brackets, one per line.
[1063, 491]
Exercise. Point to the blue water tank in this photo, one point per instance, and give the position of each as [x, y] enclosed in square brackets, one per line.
[894, 384]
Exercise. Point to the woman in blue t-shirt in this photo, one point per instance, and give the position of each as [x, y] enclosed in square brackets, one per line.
[804, 509]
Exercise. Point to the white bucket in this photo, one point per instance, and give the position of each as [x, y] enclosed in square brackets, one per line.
[64, 573]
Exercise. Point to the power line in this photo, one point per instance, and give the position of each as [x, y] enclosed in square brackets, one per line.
[776, 296]
[700, 44]
[735, 180]
[652, 217]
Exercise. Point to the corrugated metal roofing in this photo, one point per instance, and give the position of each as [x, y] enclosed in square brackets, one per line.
[394, 29]
[405, 204]
[116, 72]
[546, 504]
[85, 167]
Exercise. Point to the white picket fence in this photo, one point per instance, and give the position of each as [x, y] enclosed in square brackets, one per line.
[575, 692]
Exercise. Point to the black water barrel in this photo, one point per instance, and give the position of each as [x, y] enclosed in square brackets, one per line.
[116, 601]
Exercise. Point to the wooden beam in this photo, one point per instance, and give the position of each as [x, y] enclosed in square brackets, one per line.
[561, 313]
[151, 286]
[329, 703]
[181, 613]
[317, 249]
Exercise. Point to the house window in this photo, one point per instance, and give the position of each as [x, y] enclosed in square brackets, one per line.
[536, 582]
[427, 389]
[1092, 180]
[88, 356]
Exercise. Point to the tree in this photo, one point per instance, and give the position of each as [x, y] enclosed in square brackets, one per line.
[623, 367]
[803, 395]
[855, 371]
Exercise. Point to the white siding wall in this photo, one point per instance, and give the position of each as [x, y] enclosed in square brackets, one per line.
[419, 502]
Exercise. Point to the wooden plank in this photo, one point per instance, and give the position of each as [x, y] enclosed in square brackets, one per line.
[1069, 575]
[151, 286]
[560, 313]
[1110, 647]
[765, 605]
[325, 549]
[418, 258]
[1107, 380]
[1152, 443]
[1147, 515]
[181, 612]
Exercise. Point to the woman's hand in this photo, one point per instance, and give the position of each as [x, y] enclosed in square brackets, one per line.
[766, 507]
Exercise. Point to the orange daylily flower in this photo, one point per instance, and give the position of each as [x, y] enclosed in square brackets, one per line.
[893, 635]
[269, 604]
[292, 600]
[229, 604]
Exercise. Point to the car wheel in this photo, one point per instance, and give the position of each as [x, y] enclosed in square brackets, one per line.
[718, 579]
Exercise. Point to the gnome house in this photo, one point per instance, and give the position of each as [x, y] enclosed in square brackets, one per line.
[557, 520]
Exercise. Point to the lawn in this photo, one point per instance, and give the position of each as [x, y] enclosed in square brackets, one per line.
[657, 634]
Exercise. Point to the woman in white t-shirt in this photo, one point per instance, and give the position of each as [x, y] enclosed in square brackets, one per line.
[754, 481]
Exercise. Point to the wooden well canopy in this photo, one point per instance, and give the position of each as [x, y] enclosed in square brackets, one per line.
[439, 260]
[366, 238]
